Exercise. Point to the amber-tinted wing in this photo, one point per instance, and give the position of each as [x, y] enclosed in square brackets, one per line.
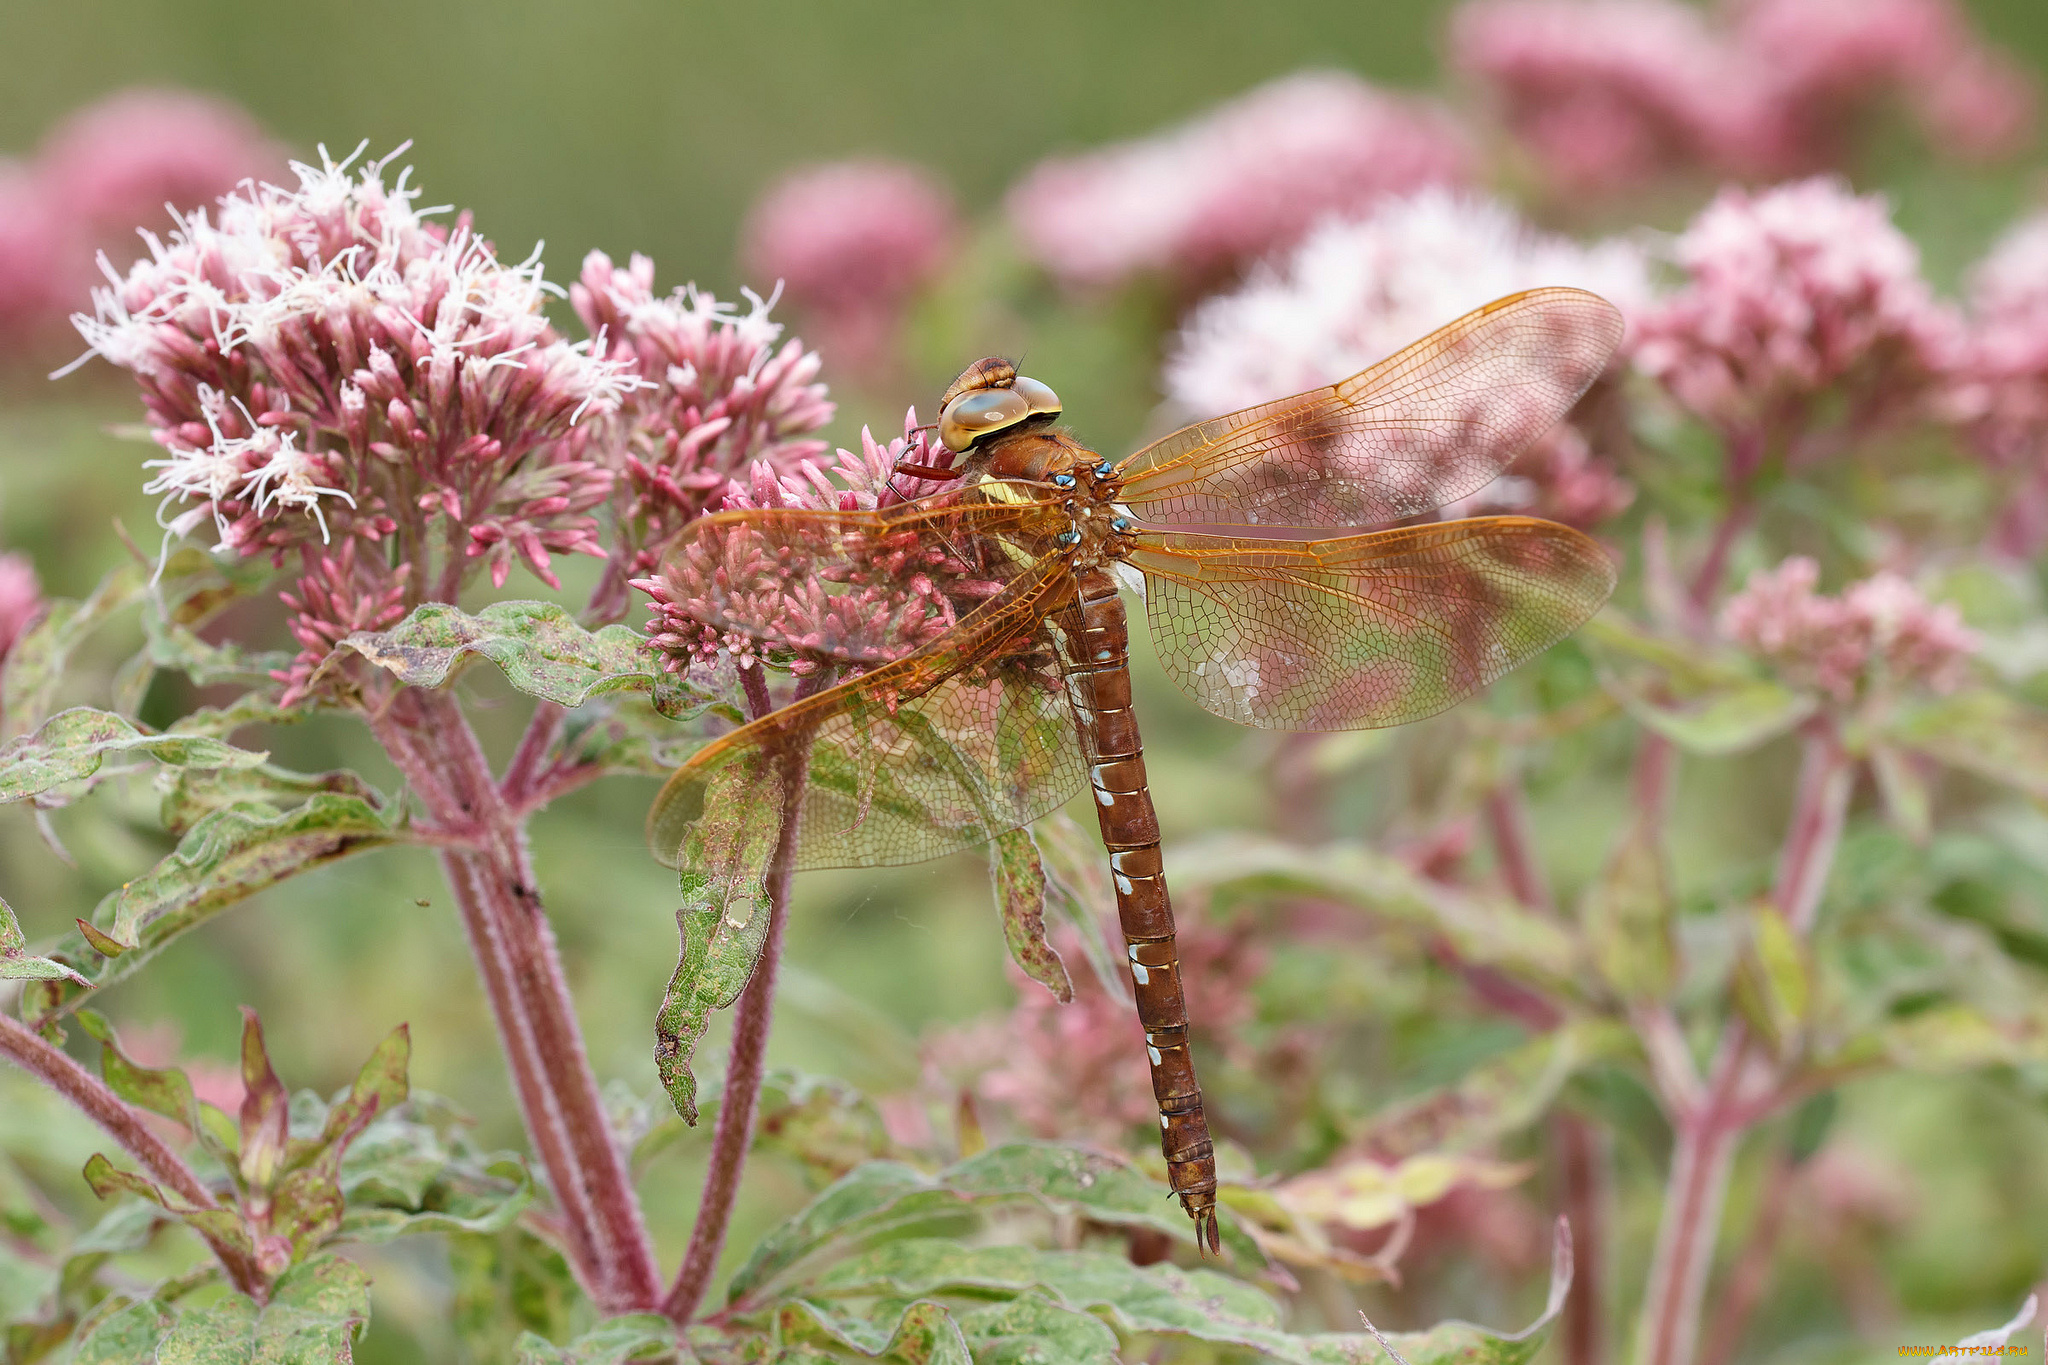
[859, 586]
[1363, 631]
[1422, 428]
[940, 750]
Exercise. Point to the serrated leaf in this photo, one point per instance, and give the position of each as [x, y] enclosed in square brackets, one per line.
[1980, 731]
[723, 915]
[636, 1337]
[539, 647]
[1482, 929]
[1020, 885]
[71, 745]
[221, 1227]
[35, 662]
[884, 1196]
[1032, 1328]
[16, 962]
[190, 794]
[316, 1312]
[259, 707]
[1628, 917]
[226, 857]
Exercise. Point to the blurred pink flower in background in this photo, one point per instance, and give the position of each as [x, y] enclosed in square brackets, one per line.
[1197, 202]
[1795, 293]
[98, 173]
[851, 243]
[1606, 95]
[1878, 630]
[21, 599]
[2002, 386]
[1357, 290]
[119, 161]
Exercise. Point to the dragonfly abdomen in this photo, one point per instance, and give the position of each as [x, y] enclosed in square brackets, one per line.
[1096, 651]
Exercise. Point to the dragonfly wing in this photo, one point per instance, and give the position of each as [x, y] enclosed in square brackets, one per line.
[940, 750]
[1363, 631]
[862, 587]
[1424, 427]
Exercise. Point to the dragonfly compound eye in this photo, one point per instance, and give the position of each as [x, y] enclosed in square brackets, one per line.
[979, 412]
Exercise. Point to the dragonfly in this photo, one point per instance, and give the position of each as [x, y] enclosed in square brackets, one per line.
[979, 642]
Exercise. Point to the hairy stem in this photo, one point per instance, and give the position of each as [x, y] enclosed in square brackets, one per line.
[738, 1103]
[125, 1125]
[1709, 1131]
[493, 883]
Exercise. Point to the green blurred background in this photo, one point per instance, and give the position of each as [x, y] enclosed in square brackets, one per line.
[650, 126]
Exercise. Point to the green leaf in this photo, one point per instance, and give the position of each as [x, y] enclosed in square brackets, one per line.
[616, 1341]
[1903, 788]
[1981, 732]
[190, 794]
[541, 649]
[1949, 1039]
[316, 1312]
[126, 1332]
[72, 745]
[35, 663]
[1495, 1099]
[222, 1227]
[16, 964]
[166, 1092]
[1774, 980]
[1031, 1328]
[226, 857]
[724, 913]
[509, 1284]
[922, 1332]
[1628, 917]
[1481, 929]
[882, 1197]
[1019, 877]
[1703, 701]
[824, 1124]
[1078, 886]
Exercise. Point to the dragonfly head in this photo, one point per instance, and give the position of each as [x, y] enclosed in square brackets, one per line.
[988, 397]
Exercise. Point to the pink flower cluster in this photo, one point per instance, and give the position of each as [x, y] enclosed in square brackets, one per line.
[1608, 94]
[1795, 293]
[321, 365]
[1879, 632]
[109, 166]
[2002, 388]
[851, 243]
[21, 599]
[755, 594]
[1196, 203]
[717, 392]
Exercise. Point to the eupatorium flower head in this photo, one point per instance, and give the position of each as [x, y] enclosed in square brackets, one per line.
[1249, 178]
[1794, 293]
[1879, 631]
[2002, 384]
[716, 391]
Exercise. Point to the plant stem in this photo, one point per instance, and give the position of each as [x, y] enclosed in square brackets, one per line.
[493, 883]
[740, 1099]
[1584, 1174]
[1507, 823]
[91, 1096]
[1709, 1132]
[1752, 1273]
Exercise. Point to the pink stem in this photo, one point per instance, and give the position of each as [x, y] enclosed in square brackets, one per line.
[1708, 1133]
[1507, 822]
[524, 771]
[738, 1103]
[91, 1096]
[493, 883]
[1751, 1275]
[1587, 1195]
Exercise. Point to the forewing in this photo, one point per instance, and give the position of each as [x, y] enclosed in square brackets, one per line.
[863, 587]
[1424, 427]
[1363, 631]
[939, 751]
